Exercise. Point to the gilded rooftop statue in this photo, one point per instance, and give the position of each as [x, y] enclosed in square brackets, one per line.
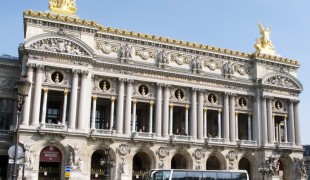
[67, 7]
[264, 45]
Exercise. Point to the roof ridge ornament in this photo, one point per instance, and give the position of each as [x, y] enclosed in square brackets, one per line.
[264, 45]
[67, 7]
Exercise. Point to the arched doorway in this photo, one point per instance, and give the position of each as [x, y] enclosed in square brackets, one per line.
[141, 164]
[178, 161]
[244, 164]
[4, 167]
[213, 163]
[101, 161]
[50, 163]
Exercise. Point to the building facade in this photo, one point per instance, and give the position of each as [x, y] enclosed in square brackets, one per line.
[154, 102]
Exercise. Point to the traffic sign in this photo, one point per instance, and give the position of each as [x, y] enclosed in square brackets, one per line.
[67, 174]
[68, 169]
[18, 161]
[20, 151]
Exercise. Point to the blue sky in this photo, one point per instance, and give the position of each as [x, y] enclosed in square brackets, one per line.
[220, 23]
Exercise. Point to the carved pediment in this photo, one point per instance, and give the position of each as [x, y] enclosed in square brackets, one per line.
[59, 45]
[283, 81]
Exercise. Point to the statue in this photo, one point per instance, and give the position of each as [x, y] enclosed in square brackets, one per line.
[300, 167]
[163, 59]
[63, 6]
[197, 64]
[228, 69]
[75, 159]
[126, 53]
[29, 156]
[264, 45]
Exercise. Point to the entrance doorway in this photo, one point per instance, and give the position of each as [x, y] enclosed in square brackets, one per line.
[4, 167]
[213, 163]
[179, 162]
[50, 163]
[141, 164]
[244, 164]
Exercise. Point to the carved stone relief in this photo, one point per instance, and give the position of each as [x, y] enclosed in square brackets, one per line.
[123, 149]
[59, 45]
[282, 81]
[300, 168]
[162, 153]
[107, 48]
[142, 89]
[197, 64]
[163, 59]
[179, 59]
[126, 53]
[232, 157]
[212, 64]
[29, 156]
[228, 70]
[145, 54]
[75, 158]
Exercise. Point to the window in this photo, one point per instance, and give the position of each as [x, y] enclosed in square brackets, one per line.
[178, 175]
[6, 113]
[53, 112]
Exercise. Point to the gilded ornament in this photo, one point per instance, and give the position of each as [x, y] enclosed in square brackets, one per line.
[63, 6]
[264, 45]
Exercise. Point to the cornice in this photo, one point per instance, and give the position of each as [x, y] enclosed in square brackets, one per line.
[93, 25]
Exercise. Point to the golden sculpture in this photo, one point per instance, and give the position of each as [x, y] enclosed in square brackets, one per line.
[63, 6]
[264, 45]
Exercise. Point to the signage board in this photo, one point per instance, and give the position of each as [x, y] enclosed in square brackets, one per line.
[50, 154]
[67, 174]
[20, 151]
[67, 168]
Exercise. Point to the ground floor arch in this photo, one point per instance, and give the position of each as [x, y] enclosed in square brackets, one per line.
[216, 161]
[50, 163]
[101, 161]
[179, 161]
[244, 164]
[141, 163]
[285, 167]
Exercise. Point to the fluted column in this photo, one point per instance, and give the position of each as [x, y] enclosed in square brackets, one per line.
[94, 112]
[64, 107]
[205, 125]
[27, 103]
[219, 123]
[120, 107]
[200, 115]
[237, 131]
[37, 96]
[226, 117]
[128, 119]
[134, 109]
[276, 129]
[171, 120]
[81, 113]
[264, 121]
[291, 122]
[257, 118]
[44, 105]
[285, 128]
[249, 127]
[297, 123]
[232, 119]
[166, 110]
[151, 117]
[73, 99]
[158, 115]
[186, 118]
[112, 112]
[193, 119]
[269, 121]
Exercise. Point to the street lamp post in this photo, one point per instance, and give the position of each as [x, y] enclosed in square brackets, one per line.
[107, 163]
[23, 86]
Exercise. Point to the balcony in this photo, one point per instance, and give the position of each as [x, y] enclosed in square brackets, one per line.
[52, 127]
[281, 145]
[246, 143]
[142, 135]
[214, 140]
[105, 132]
[180, 138]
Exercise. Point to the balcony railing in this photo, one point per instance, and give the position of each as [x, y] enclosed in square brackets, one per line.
[283, 144]
[215, 140]
[53, 127]
[247, 143]
[106, 132]
[143, 135]
[180, 138]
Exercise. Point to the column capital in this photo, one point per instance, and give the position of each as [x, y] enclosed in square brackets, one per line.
[134, 101]
[31, 66]
[236, 113]
[160, 84]
[285, 116]
[250, 113]
[40, 67]
[268, 97]
[66, 92]
[85, 73]
[167, 85]
[195, 90]
[220, 110]
[187, 106]
[151, 103]
[76, 71]
[130, 82]
[122, 80]
[113, 98]
[205, 108]
[294, 101]
[45, 89]
[171, 105]
[95, 97]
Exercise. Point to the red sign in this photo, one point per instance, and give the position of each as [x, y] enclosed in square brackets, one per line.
[50, 154]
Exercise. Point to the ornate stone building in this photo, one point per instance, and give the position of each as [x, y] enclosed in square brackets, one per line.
[155, 102]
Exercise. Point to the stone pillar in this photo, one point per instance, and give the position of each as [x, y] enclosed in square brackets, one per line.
[226, 117]
[276, 129]
[171, 120]
[285, 128]
[166, 111]
[158, 115]
[64, 108]
[205, 125]
[200, 115]
[249, 127]
[151, 117]
[269, 121]
[232, 119]
[82, 98]
[297, 123]
[134, 111]
[264, 121]
[112, 112]
[257, 118]
[193, 119]
[237, 120]
[128, 115]
[73, 99]
[120, 107]
[93, 115]
[44, 105]
[37, 96]
[27, 103]
[186, 118]
[219, 126]
[291, 122]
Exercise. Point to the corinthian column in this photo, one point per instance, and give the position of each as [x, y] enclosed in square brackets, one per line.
[27, 103]
[219, 124]
[151, 117]
[94, 112]
[128, 106]
[64, 107]
[200, 114]
[237, 131]
[112, 112]
[120, 107]
[171, 120]
[205, 125]
[193, 119]
[186, 118]
[37, 96]
[269, 120]
[44, 104]
[291, 122]
[73, 99]
[226, 117]
[232, 119]
[158, 110]
[166, 110]
[264, 121]
[134, 109]
[83, 91]
[297, 125]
